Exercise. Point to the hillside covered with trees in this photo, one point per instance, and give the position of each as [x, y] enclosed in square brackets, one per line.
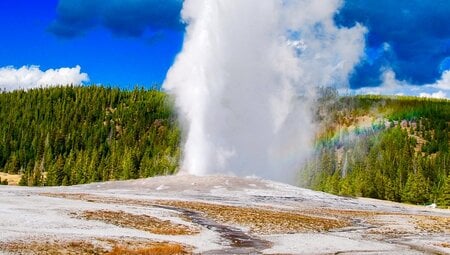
[73, 135]
[393, 148]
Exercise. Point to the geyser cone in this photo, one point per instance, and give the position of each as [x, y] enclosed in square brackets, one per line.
[245, 81]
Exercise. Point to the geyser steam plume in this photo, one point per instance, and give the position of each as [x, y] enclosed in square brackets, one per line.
[246, 78]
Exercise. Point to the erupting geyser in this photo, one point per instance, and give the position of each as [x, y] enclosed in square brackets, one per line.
[246, 79]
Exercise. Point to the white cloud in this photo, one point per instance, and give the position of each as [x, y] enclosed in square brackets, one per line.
[391, 86]
[444, 82]
[28, 77]
[439, 94]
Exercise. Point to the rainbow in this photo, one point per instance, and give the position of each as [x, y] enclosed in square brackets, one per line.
[346, 135]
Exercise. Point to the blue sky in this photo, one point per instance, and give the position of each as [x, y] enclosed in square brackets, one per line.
[412, 37]
[134, 42]
[38, 33]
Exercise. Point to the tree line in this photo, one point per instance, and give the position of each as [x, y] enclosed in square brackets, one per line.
[406, 158]
[74, 135]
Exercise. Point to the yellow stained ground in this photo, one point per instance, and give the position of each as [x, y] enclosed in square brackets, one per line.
[13, 179]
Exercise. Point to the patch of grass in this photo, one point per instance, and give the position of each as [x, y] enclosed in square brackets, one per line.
[445, 245]
[262, 221]
[140, 222]
[51, 247]
[432, 224]
[258, 220]
[156, 249]
[418, 223]
[94, 247]
[389, 232]
[343, 213]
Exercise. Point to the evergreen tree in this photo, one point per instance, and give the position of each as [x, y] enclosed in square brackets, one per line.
[444, 198]
[406, 159]
[80, 134]
[416, 189]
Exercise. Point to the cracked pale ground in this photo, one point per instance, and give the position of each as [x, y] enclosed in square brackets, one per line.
[211, 215]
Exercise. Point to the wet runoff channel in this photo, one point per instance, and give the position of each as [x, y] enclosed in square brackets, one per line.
[239, 241]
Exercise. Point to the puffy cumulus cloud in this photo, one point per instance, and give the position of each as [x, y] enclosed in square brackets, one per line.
[28, 77]
[439, 94]
[444, 82]
[122, 17]
[411, 37]
[391, 85]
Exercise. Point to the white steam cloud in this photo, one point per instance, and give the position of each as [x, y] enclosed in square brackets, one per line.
[245, 81]
[28, 77]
